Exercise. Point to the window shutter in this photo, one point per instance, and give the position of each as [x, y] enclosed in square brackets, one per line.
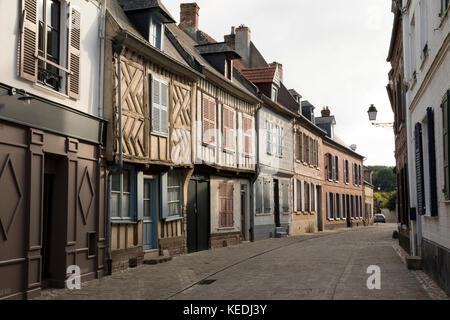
[222, 204]
[209, 120]
[341, 207]
[74, 56]
[285, 195]
[156, 101]
[294, 195]
[432, 162]
[229, 205]
[313, 198]
[164, 196]
[164, 108]
[300, 139]
[446, 142]
[419, 169]
[267, 198]
[248, 124]
[28, 63]
[333, 166]
[299, 196]
[259, 196]
[337, 168]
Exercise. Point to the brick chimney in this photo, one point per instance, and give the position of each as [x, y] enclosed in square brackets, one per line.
[242, 43]
[189, 17]
[326, 112]
[230, 39]
[280, 69]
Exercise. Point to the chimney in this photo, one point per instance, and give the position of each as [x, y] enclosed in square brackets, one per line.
[189, 17]
[242, 43]
[230, 39]
[326, 112]
[280, 69]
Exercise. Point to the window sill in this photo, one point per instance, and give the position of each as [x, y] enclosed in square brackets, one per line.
[123, 221]
[227, 151]
[286, 213]
[226, 229]
[330, 219]
[51, 91]
[208, 145]
[263, 214]
[159, 134]
[170, 219]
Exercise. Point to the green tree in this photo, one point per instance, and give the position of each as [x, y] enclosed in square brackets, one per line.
[383, 178]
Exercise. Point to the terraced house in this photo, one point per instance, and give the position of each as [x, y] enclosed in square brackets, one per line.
[52, 172]
[219, 195]
[150, 105]
[343, 193]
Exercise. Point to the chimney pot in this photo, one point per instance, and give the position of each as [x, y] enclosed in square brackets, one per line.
[326, 112]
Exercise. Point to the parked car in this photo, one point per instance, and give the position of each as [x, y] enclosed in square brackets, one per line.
[379, 217]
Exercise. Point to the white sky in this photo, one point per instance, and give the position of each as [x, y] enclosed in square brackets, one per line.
[333, 53]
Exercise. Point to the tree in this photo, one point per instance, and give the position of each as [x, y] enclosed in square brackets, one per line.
[384, 178]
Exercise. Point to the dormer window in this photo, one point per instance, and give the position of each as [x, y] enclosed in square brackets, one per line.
[228, 69]
[155, 34]
[274, 93]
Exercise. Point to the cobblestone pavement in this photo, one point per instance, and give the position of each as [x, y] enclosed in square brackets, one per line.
[330, 265]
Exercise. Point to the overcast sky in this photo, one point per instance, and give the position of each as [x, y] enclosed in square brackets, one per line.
[333, 53]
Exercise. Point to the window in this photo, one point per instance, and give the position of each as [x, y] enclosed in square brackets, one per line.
[299, 146]
[228, 69]
[336, 161]
[444, 6]
[248, 130]
[329, 166]
[307, 197]
[306, 144]
[274, 94]
[155, 34]
[313, 198]
[299, 195]
[209, 120]
[333, 168]
[174, 194]
[226, 205]
[229, 133]
[269, 141]
[285, 196]
[423, 29]
[159, 106]
[49, 42]
[279, 143]
[146, 198]
[412, 44]
[127, 194]
[338, 206]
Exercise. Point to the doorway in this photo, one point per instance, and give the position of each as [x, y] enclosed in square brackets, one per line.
[243, 213]
[276, 199]
[151, 214]
[53, 218]
[198, 216]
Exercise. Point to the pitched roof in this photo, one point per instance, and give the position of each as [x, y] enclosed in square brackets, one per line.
[221, 47]
[260, 75]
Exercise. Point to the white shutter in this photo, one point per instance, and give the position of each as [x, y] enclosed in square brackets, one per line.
[74, 56]
[28, 63]
[164, 108]
[160, 106]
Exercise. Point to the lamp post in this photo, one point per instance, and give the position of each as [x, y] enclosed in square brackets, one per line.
[373, 116]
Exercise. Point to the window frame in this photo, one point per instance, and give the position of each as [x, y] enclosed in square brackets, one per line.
[159, 106]
[132, 214]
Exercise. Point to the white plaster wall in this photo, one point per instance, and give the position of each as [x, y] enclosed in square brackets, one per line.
[424, 94]
[10, 16]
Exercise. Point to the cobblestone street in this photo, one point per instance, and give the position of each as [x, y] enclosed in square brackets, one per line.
[330, 265]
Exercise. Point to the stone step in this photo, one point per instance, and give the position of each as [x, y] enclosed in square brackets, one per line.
[281, 234]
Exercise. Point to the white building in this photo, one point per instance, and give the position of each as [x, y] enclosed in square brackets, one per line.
[426, 39]
[52, 177]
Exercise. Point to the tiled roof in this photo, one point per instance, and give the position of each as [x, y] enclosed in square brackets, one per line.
[131, 5]
[260, 75]
[239, 65]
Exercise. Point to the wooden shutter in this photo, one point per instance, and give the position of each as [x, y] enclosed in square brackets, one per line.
[419, 169]
[208, 120]
[285, 196]
[446, 141]
[164, 196]
[164, 108]
[301, 146]
[228, 128]
[28, 63]
[337, 168]
[313, 198]
[259, 196]
[299, 196]
[248, 125]
[432, 163]
[74, 56]
[156, 101]
[226, 205]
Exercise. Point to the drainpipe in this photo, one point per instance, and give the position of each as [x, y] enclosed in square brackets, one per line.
[252, 182]
[102, 57]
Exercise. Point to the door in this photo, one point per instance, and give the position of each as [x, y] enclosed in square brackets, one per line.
[150, 214]
[276, 199]
[243, 214]
[198, 217]
[47, 227]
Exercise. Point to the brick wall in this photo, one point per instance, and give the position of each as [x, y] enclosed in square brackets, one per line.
[220, 240]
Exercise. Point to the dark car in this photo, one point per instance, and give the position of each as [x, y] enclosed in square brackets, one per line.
[379, 218]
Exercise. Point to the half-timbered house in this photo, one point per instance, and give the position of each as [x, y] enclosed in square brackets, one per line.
[150, 98]
[219, 192]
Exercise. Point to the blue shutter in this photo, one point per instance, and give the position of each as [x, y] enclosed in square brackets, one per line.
[164, 196]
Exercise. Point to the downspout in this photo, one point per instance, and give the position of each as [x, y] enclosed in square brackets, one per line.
[252, 182]
[102, 58]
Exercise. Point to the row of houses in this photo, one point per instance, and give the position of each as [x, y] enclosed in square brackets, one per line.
[419, 91]
[124, 136]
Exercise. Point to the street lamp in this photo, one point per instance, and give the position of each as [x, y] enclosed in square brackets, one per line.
[373, 116]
